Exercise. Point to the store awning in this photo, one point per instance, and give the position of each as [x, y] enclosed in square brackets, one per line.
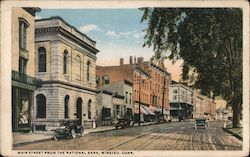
[148, 110]
[143, 111]
[154, 108]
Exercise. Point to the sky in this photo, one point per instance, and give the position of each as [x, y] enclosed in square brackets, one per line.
[118, 33]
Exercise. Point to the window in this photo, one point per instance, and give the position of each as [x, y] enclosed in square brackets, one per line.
[105, 79]
[130, 98]
[22, 65]
[65, 56]
[175, 91]
[41, 59]
[78, 66]
[66, 106]
[88, 71]
[89, 109]
[126, 98]
[97, 80]
[41, 106]
[23, 25]
[175, 98]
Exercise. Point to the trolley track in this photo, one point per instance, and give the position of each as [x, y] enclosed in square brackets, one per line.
[134, 140]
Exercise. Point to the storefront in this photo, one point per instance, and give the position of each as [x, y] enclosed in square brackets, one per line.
[23, 87]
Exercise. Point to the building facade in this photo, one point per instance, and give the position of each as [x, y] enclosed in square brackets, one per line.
[140, 74]
[181, 101]
[159, 86]
[65, 61]
[23, 77]
[122, 88]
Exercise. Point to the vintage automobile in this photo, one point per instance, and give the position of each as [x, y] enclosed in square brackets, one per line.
[123, 123]
[68, 129]
[200, 123]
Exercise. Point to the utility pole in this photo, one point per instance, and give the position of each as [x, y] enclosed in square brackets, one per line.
[139, 98]
[163, 93]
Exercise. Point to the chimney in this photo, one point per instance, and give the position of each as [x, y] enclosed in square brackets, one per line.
[121, 61]
[130, 60]
[134, 60]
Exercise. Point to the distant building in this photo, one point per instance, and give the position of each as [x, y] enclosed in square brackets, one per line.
[23, 77]
[122, 88]
[65, 59]
[109, 106]
[145, 90]
[181, 101]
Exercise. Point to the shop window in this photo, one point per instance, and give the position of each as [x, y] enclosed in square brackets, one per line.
[41, 59]
[23, 25]
[66, 106]
[41, 106]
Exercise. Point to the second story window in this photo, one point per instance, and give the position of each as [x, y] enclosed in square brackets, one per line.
[105, 79]
[88, 71]
[22, 65]
[97, 80]
[65, 56]
[23, 25]
[41, 59]
[126, 98]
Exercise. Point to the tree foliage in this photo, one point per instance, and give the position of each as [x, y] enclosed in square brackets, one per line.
[208, 40]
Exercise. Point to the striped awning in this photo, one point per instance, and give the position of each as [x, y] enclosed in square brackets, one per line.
[148, 110]
[143, 111]
[154, 108]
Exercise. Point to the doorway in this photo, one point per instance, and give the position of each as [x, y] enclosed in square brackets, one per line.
[79, 111]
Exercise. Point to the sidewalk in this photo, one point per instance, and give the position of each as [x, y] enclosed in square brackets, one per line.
[237, 132]
[28, 138]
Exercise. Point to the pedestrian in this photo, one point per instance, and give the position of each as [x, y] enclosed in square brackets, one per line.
[94, 123]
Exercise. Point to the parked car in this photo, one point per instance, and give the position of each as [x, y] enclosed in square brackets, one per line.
[123, 123]
[68, 129]
[200, 123]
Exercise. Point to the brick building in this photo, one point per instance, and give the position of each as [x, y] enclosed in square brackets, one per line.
[147, 92]
[65, 61]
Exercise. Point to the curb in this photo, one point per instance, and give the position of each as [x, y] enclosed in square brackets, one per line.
[232, 133]
[31, 142]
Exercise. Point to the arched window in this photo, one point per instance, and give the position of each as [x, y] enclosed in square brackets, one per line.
[66, 106]
[41, 106]
[88, 70]
[41, 59]
[65, 56]
[89, 109]
[23, 26]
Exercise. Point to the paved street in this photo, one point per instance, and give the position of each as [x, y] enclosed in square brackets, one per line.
[169, 136]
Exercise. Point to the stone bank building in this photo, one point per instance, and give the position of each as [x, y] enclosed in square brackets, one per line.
[65, 61]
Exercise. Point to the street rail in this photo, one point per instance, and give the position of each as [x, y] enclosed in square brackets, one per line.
[140, 136]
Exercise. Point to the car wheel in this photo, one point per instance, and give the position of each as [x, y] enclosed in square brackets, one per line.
[73, 133]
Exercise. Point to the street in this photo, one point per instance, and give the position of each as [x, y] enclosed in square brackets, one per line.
[166, 136]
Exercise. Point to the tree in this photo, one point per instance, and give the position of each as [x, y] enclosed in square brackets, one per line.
[208, 40]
